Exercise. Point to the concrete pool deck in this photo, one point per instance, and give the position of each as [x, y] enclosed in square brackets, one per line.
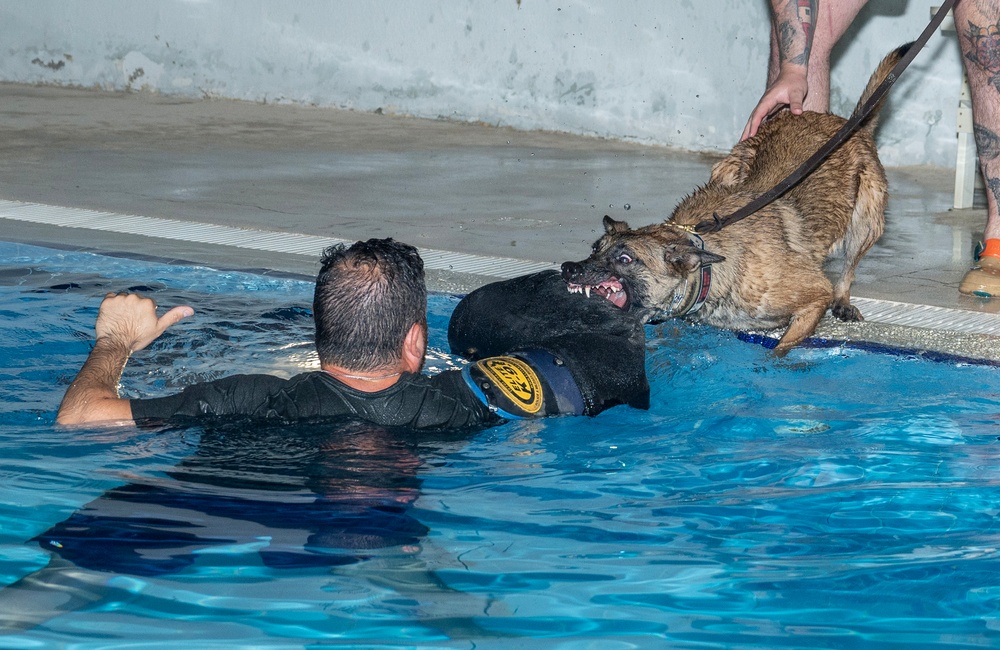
[249, 186]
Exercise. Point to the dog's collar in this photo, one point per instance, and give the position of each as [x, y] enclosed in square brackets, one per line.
[687, 302]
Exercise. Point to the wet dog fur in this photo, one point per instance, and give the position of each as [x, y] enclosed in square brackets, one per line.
[766, 270]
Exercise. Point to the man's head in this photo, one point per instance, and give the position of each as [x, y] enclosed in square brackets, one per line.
[370, 301]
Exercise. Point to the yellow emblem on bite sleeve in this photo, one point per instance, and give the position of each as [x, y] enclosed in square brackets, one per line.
[516, 380]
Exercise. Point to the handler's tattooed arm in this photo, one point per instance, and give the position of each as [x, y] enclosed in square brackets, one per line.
[794, 24]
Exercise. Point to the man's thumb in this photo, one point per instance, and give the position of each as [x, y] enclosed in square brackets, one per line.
[174, 316]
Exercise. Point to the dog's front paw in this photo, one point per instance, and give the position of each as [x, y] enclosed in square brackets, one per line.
[847, 312]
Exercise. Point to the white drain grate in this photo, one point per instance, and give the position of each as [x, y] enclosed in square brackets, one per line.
[904, 314]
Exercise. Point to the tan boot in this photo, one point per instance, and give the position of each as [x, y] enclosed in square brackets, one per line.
[984, 281]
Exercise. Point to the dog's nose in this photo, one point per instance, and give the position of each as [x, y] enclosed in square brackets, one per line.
[571, 270]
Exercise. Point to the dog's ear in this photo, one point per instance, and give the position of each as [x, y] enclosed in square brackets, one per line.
[612, 227]
[685, 258]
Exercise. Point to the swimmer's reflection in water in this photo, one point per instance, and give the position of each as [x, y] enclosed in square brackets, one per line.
[255, 498]
[309, 495]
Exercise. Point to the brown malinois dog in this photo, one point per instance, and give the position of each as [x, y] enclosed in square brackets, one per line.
[766, 271]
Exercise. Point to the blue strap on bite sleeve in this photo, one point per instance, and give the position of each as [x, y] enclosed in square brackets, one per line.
[525, 384]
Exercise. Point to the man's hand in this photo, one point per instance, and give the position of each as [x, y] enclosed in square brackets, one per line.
[130, 320]
[789, 89]
[125, 323]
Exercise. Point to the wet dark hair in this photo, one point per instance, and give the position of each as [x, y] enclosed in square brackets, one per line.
[367, 298]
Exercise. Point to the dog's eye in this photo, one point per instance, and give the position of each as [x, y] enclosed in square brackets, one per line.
[624, 259]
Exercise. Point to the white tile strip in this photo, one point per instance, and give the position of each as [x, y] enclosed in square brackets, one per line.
[276, 242]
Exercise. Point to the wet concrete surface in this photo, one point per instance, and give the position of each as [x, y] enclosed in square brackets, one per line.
[461, 187]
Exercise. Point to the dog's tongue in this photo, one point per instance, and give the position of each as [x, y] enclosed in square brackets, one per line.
[613, 291]
[618, 299]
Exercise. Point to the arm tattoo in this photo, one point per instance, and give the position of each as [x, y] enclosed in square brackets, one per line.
[987, 142]
[806, 11]
[795, 31]
[786, 42]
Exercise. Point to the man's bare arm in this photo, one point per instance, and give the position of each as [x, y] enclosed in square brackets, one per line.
[125, 323]
[793, 25]
[93, 395]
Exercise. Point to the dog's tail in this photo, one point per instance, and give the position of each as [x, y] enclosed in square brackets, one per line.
[881, 72]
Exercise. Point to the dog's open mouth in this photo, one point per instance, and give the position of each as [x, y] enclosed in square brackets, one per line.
[610, 289]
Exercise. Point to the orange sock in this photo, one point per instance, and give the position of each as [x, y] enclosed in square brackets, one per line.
[991, 249]
[989, 259]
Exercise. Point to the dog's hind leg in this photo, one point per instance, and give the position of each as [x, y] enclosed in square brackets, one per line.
[866, 226]
[804, 322]
[807, 295]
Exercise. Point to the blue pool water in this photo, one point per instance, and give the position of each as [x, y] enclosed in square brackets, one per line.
[838, 498]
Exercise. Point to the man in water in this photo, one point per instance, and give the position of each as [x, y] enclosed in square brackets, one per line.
[320, 495]
[370, 307]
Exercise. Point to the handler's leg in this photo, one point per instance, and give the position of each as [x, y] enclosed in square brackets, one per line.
[978, 23]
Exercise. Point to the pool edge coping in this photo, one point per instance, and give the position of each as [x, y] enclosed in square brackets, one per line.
[954, 332]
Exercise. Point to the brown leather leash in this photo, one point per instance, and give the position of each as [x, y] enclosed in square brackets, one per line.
[718, 223]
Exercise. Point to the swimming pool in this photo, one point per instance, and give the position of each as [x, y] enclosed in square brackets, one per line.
[836, 498]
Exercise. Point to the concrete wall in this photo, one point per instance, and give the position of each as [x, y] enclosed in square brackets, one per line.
[684, 73]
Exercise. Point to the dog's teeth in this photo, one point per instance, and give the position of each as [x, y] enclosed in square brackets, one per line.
[586, 290]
